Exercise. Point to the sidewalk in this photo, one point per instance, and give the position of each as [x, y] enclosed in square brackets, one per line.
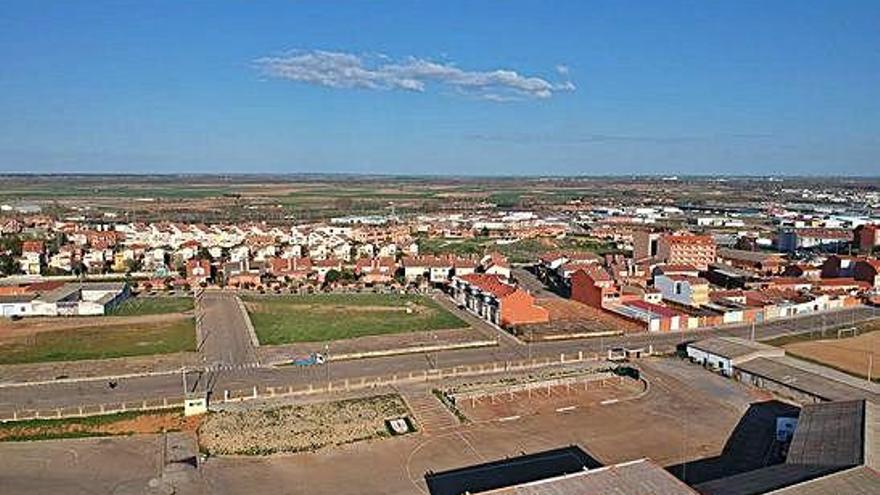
[277, 354]
[94, 368]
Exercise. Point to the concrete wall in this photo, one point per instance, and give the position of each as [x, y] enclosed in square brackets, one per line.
[710, 360]
[778, 388]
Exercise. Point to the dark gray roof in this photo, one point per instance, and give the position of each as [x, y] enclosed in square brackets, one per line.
[68, 291]
[753, 256]
[61, 293]
[763, 480]
[797, 375]
[109, 286]
[830, 433]
[641, 477]
[733, 347]
[859, 480]
[831, 439]
[18, 298]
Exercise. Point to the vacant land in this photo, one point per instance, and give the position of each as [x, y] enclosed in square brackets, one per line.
[124, 423]
[785, 340]
[852, 355]
[138, 306]
[324, 317]
[570, 318]
[522, 251]
[300, 428]
[116, 339]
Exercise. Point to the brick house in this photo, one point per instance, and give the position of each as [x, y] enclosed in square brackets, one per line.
[497, 302]
[868, 270]
[593, 286]
[376, 270]
[198, 271]
[295, 268]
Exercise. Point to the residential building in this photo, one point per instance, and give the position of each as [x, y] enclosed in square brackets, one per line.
[645, 244]
[683, 289]
[376, 270]
[868, 271]
[866, 238]
[758, 262]
[696, 250]
[198, 271]
[497, 302]
[591, 285]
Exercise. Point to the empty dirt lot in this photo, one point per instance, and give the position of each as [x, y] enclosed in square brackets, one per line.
[550, 400]
[673, 422]
[569, 317]
[676, 420]
[852, 354]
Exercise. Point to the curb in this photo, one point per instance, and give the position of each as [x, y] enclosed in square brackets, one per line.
[351, 356]
[247, 320]
[145, 374]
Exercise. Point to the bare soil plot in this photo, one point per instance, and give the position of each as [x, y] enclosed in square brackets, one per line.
[550, 399]
[136, 306]
[300, 428]
[126, 423]
[569, 317]
[852, 355]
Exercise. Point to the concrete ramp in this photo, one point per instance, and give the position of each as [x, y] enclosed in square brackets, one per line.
[431, 415]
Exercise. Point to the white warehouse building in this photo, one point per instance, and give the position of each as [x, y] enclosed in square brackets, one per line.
[723, 353]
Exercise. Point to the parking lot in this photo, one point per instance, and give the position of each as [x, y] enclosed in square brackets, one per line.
[550, 399]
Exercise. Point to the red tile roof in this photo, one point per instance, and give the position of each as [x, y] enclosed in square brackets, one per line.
[489, 283]
[655, 308]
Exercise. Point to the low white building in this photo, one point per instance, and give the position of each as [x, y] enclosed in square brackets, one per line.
[17, 305]
[723, 353]
[80, 299]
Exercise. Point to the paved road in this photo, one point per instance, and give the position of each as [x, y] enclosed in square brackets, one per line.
[528, 280]
[53, 395]
[224, 330]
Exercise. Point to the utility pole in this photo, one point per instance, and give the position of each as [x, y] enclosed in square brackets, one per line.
[684, 449]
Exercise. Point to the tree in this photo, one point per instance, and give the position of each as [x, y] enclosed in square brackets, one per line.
[8, 265]
[10, 244]
[132, 265]
[332, 276]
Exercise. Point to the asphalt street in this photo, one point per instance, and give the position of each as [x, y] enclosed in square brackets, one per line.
[226, 341]
[59, 395]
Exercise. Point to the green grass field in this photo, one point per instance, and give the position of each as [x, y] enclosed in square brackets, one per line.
[101, 342]
[325, 317]
[138, 306]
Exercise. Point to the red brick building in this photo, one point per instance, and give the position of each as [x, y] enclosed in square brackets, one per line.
[687, 249]
[867, 238]
[198, 271]
[593, 286]
[500, 303]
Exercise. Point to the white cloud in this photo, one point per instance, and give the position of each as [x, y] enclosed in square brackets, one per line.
[347, 70]
[562, 69]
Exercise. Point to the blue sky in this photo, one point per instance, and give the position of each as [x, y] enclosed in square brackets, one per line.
[451, 87]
